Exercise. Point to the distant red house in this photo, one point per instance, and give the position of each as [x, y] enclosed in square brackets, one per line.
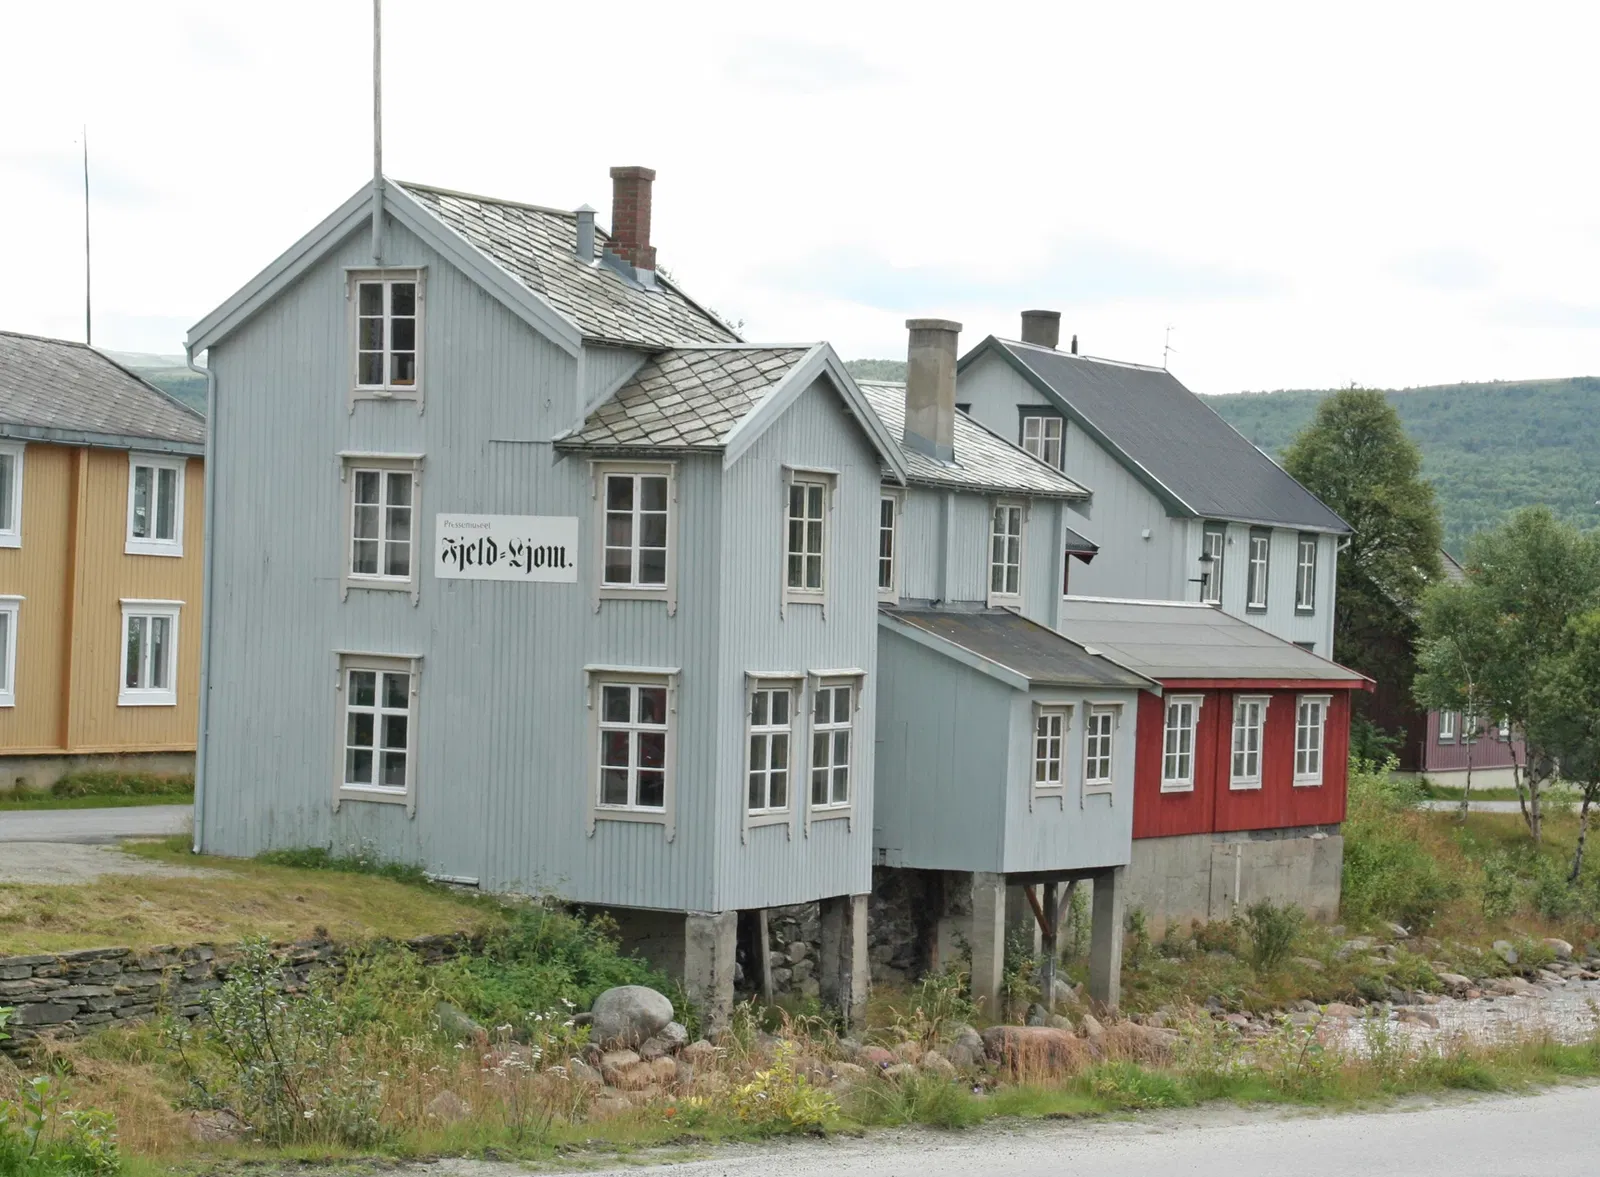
[1240, 766]
[1448, 748]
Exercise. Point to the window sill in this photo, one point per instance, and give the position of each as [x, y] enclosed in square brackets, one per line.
[803, 597]
[375, 794]
[1255, 608]
[1001, 601]
[1308, 782]
[1244, 786]
[380, 584]
[7, 699]
[767, 817]
[1303, 611]
[409, 392]
[1104, 789]
[1177, 786]
[656, 817]
[147, 698]
[624, 592]
[145, 547]
[10, 539]
[831, 812]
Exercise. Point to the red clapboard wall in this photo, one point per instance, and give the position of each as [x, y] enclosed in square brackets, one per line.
[1212, 806]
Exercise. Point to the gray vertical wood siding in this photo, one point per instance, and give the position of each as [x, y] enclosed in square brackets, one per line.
[503, 776]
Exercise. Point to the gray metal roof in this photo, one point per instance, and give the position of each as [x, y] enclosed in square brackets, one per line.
[539, 247]
[984, 461]
[57, 389]
[1172, 640]
[1040, 655]
[688, 397]
[1168, 438]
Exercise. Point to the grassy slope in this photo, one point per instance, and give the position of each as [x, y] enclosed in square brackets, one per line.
[245, 898]
[29, 801]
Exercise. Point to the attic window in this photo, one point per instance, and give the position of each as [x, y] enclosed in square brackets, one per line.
[387, 332]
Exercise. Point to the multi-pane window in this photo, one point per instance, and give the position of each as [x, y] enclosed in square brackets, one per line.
[888, 512]
[155, 506]
[10, 495]
[1305, 574]
[636, 506]
[377, 729]
[1260, 555]
[1041, 437]
[1249, 716]
[381, 524]
[771, 724]
[832, 715]
[1049, 747]
[633, 746]
[1311, 717]
[1177, 755]
[10, 607]
[386, 333]
[807, 519]
[1099, 735]
[1447, 727]
[1005, 551]
[149, 654]
[1213, 540]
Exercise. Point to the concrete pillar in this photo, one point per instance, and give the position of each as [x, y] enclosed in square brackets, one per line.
[763, 961]
[987, 939]
[844, 976]
[1050, 944]
[1105, 937]
[709, 940]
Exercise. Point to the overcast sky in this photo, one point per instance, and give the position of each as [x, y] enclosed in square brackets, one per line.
[1309, 195]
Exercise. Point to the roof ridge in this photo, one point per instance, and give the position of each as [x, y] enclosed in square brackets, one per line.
[1072, 355]
[51, 339]
[481, 198]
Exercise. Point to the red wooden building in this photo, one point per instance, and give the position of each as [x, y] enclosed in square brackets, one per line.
[1240, 768]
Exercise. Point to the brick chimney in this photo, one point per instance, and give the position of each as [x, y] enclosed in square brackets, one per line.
[1042, 328]
[630, 216]
[931, 387]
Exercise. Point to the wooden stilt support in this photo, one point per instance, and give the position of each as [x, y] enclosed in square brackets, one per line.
[1050, 925]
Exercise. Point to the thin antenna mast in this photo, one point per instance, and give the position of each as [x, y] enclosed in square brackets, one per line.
[88, 301]
[1166, 348]
[377, 130]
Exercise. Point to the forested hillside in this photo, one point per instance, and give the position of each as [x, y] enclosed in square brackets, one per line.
[171, 374]
[1488, 448]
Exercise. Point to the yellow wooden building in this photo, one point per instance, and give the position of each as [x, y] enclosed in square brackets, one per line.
[101, 526]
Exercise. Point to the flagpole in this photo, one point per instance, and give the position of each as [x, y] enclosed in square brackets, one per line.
[88, 304]
[377, 130]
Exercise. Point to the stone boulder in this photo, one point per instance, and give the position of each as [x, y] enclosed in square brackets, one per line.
[672, 1038]
[876, 1058]
[700, 1053]
[1561, 948]
[1454, 982]
[456, 1025]
[1036, 1051]
[966, 1049]
[934, 1063]
[1136, 1043]
[629, 1015]
[1506, 951]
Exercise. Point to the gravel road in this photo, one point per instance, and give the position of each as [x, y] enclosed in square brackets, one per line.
[89, 826]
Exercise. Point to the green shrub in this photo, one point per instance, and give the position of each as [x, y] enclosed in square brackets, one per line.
[113, 783]
[1271, 931]
[917, 1098]
[936, 1005]
[356, 860]
[39, 1137]
[1128, 1085]
[1498, 889]
[782, 1098]
[1387, 873]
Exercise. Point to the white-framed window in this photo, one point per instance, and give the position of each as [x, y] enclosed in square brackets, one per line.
[806, 530]
[1505, 731]
[377, 709]
[1178, 743]
[889, 548]
[1310, 733]
[387, 328]
[1213, 544]
[149, 663]
[1005, 553]
[1305, 574]
[10, 611]
[1041, 437]
[833, 710]
[1249, 726]
[1447, 727]
[1260, 562]
[383, 513]
[11, 494]
[155, 505]
[1099, 749]
[638, 529]
[771, 736]
[633, 745]
[1051, 723]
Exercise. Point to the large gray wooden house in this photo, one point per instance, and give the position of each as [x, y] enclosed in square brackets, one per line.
[523, 567]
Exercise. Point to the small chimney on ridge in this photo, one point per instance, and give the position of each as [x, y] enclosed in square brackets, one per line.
[931, 387]
[585, 216]
[1074, 345]
[630, 216]
[1042, 328]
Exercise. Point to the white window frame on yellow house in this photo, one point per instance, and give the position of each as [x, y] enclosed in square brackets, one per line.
[142, 694]
[10, 612]
[11, 493]
[152, 544]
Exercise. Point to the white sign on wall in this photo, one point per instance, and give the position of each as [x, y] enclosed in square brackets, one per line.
[506, 547]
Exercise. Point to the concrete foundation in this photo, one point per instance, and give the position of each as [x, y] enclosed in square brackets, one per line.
[1499, 777]
[26, 773]
[842, 968]
[696, 947]
[1105, 937]
[1206, 877]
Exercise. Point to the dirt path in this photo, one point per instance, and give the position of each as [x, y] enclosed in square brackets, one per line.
[65, 863]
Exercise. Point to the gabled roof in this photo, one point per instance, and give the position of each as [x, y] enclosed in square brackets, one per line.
[1008, 646]
[1167, 437]
[720, 398]
[539, 247]
[1180, 641]
[985, 462]
[58, 390]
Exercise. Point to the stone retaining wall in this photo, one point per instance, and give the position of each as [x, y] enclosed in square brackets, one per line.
[72, 993]
[900, 914]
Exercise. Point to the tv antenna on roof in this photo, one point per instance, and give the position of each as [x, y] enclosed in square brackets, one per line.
[88, 303]
[1166, 348]
[377, 130]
